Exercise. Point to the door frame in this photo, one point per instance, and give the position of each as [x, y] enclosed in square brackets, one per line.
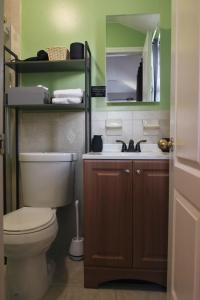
[172, 158]
[120, 51]
[1, 156]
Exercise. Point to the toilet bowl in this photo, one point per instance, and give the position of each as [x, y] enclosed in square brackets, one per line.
[29, 230]
[28, 234]
[46, 183]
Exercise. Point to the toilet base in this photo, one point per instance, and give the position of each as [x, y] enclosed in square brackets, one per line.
[27, 278]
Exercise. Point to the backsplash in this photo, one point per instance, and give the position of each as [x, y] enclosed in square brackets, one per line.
[52, 131]
[132, 125]
[64, 131]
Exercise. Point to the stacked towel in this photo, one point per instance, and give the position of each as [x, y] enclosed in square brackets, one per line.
[67, 100]
[69, 96]
[68, 93]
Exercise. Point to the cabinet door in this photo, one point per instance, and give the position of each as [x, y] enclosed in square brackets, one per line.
[150, 213]
[108, 213]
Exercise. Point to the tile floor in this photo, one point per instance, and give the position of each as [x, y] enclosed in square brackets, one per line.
[68, 285]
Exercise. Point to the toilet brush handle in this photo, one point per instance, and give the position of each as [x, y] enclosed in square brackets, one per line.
[77, 218]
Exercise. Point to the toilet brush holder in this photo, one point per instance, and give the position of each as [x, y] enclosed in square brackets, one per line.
[76, 248]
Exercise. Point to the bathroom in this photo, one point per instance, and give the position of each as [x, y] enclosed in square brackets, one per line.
[36, 25]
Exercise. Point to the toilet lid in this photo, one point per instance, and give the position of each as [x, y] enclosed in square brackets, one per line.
[28, 219]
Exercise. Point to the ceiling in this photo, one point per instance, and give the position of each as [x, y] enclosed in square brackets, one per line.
[140, 23]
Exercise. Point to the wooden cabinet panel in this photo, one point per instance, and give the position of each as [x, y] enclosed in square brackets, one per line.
[108, 213]
[150, 210]
[126, 218]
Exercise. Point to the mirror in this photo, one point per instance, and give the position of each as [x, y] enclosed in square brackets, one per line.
[133, 58]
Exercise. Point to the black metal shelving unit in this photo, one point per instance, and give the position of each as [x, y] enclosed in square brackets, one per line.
[47, 66]
[23, 67]
[80, 65]
[68, 107]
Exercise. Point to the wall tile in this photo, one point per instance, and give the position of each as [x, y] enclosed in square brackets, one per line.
[132, 126]
[98, 127]
[150, 115]
[164, 128]
[137, 129]
[124, 115]
[99, 116]
[111, 139]
[114, 131]
[151, 131]
[127, 130]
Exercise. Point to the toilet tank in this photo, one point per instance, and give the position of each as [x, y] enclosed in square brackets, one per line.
[46, 179]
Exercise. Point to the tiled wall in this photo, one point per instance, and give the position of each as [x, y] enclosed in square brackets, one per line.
[52, 131]
[61, 131]
[132, 125]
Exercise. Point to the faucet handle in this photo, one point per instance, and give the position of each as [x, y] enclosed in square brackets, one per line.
[137, 147]
[131, 146]
[124, 147]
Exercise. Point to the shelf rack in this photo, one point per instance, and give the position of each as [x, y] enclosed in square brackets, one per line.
[64, 107]
[80, 65]
[47, 66]
[22, 67]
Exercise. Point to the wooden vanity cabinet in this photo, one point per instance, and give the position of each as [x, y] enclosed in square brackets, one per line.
[108, 213]
[126, 220]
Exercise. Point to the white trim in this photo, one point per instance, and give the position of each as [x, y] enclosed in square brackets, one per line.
[124, 49]
[1, 158]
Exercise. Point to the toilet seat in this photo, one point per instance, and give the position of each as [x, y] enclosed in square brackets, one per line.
[28, 220]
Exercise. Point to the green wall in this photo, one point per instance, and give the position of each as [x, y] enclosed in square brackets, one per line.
[50, 23]
[118, 35]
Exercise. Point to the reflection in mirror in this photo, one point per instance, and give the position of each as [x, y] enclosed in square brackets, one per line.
[133, 58]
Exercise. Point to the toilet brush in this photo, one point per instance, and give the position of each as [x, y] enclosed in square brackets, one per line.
[76, 247]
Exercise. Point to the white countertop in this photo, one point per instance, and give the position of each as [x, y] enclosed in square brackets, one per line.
[124, 155]
[112, 151]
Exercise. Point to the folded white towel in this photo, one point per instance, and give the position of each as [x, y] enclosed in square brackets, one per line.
[75, 100]
[68, 93]
[67, 100]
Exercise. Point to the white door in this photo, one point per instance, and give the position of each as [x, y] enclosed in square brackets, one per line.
[1, 157]
[184, 225]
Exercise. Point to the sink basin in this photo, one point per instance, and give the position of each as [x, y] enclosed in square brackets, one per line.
[113, 151]
[149, 148]
[134, 154]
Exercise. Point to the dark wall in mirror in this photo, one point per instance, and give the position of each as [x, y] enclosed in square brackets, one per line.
[133, 58]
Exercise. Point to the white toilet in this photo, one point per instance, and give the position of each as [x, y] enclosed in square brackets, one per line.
[46, 182]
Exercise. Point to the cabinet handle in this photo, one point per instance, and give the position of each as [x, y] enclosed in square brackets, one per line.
[138, 171]
[127, 171]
